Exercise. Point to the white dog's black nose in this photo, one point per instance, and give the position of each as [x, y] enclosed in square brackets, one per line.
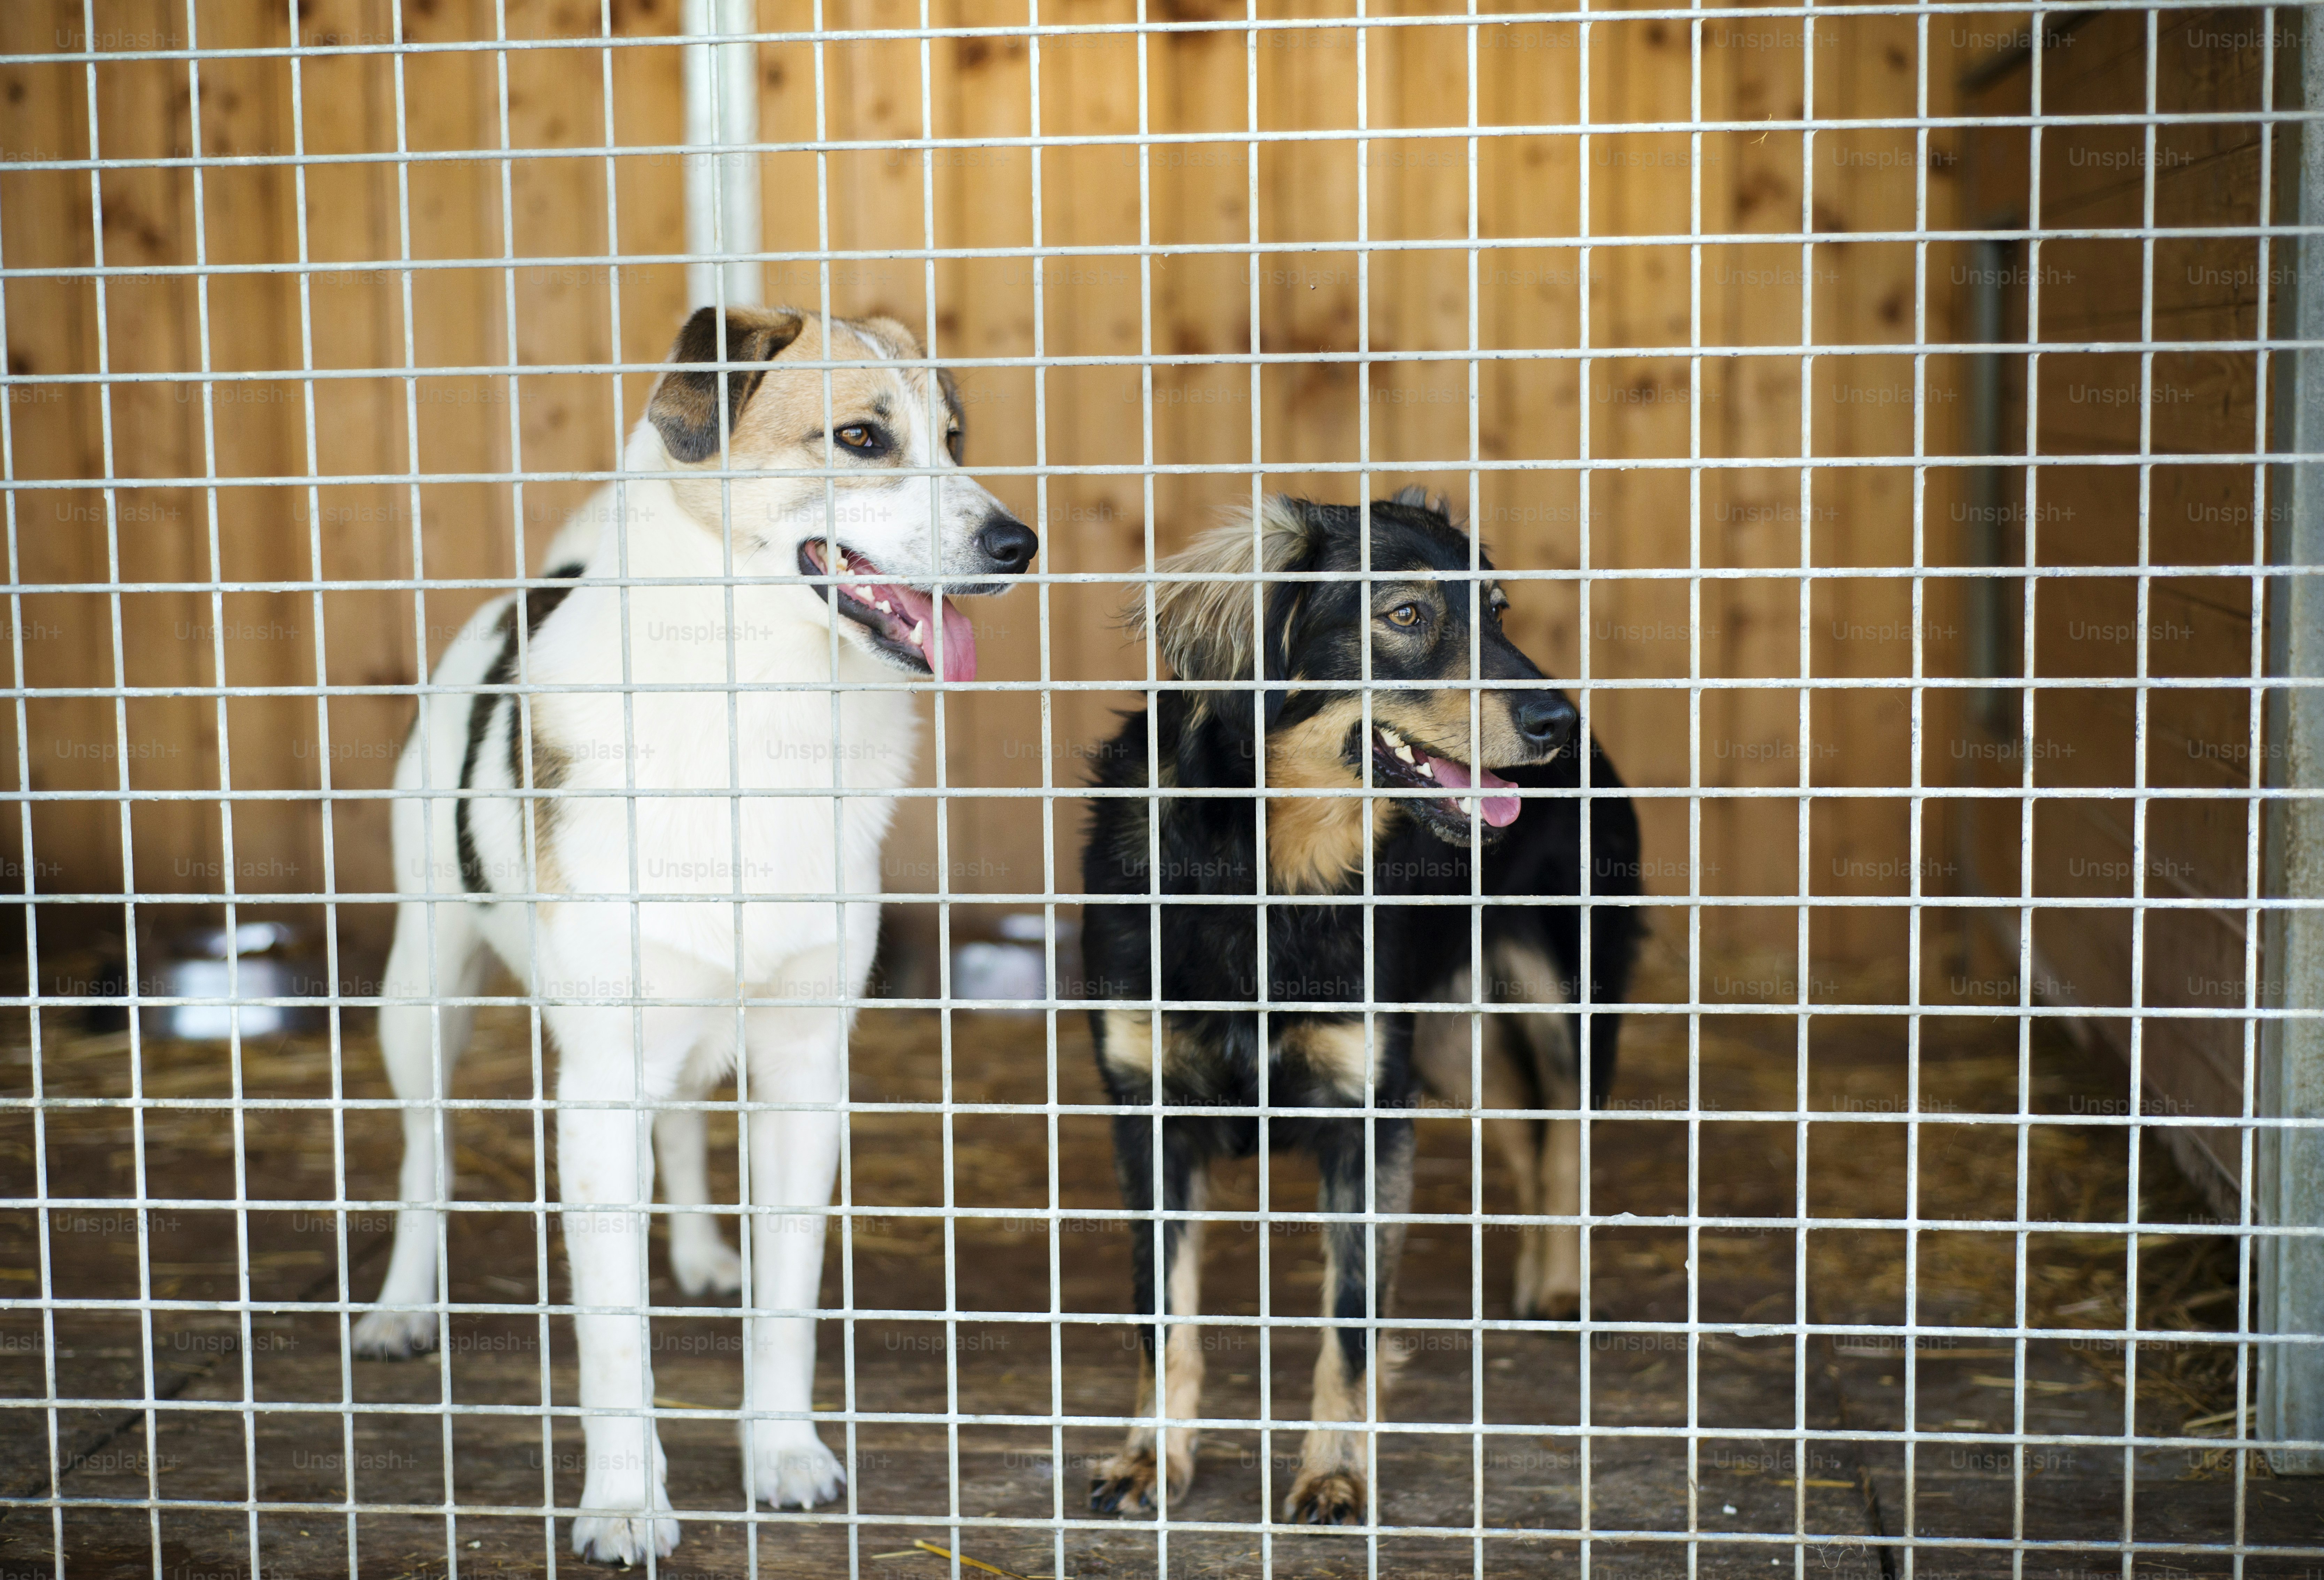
[1008, 543]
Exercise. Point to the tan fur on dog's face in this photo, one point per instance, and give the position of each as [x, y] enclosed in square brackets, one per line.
[918, 529]
[1374, 661]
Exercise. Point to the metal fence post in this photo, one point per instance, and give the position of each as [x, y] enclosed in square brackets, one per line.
[2290, 1193]
[722, 188]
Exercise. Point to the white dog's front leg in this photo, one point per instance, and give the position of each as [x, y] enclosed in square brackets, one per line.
[604, 1172]
[796, 1057]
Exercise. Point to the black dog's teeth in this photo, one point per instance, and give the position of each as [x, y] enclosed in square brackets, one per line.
[1400, 761]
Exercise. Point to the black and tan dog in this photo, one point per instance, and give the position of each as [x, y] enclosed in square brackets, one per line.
[1433, 623]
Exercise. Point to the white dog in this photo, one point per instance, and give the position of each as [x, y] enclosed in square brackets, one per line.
[638, 694]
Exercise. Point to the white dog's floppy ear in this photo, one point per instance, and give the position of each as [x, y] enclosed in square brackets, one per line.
[684, 406]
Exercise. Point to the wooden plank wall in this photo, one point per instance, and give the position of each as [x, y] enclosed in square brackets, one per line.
[1416, 418]
[2200, 513]
[354, 315]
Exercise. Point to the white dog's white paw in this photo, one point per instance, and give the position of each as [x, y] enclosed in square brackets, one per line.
[789, 1465]
[395, 1335]
[703, 1263]
[619, 1505]
[616, 1538]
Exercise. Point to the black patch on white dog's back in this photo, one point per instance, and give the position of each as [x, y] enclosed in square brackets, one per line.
[538, 604]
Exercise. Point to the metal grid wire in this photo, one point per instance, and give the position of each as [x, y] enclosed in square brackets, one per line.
[1695, 1536]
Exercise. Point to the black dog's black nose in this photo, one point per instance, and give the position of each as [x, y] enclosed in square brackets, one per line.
[1545, 719]
[1008, 543]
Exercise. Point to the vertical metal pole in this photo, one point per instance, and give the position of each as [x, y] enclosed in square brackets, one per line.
[721, 189]
[1987, 540]
[2291, 1185]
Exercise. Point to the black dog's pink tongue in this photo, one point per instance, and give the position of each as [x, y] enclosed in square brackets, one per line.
[1500, 811]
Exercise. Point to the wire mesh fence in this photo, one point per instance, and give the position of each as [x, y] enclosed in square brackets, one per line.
[437, 647]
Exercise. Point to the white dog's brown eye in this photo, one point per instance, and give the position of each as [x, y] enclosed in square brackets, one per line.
[856, 436]
[953, 444]
[1404, 614]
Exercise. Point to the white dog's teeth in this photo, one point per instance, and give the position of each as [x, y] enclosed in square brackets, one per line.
[919, 631]
[885, 607]
[1403, 753]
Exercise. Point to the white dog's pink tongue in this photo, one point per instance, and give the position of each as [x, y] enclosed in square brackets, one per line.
[1500, 811]
[956, 660]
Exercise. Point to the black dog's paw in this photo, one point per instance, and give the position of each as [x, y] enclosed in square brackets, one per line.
[1130, 1477]
[1548, 1306]
[1330, 1498]
[1124, 1482]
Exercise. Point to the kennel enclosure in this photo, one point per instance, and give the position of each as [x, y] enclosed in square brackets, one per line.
[1897, 424]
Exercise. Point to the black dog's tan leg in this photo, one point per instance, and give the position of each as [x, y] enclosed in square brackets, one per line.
[1528, 1063]
[1128, 1477]
[1545, 1154]
[1549, 1255]
[1334, 1463]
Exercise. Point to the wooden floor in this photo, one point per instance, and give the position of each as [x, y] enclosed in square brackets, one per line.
[269, 1417]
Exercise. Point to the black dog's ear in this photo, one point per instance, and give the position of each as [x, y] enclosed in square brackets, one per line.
[684, 406]
[1284, 602]
[1415, 497]
[1203, 623]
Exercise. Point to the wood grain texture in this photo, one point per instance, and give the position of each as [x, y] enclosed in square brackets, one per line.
[1415, 426]
[2193, 401]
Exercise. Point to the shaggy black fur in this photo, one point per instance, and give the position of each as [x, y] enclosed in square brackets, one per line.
[1311, 632]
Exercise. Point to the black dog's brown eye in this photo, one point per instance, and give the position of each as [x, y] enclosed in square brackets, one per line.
[856, 436]
[1404, 614]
